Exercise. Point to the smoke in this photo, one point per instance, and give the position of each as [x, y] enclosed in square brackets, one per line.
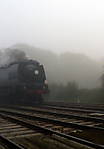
[11, 55]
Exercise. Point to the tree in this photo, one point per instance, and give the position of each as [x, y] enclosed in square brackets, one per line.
[102, 81]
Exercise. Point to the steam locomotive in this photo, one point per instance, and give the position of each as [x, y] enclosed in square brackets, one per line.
[23, 80]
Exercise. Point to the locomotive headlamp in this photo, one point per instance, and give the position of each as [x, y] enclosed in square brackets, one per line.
[36, 72]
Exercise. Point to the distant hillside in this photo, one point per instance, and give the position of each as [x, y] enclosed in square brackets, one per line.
[65, 67]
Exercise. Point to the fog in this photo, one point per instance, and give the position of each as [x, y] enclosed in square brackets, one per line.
[58, 25]
[65, 35]
[60, 68]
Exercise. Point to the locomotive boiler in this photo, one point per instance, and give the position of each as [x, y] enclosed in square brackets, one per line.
[22, 80]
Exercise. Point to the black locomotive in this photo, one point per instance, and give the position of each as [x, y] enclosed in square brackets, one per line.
[22, 80]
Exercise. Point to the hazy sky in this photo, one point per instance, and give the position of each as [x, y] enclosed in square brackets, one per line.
[58, 25]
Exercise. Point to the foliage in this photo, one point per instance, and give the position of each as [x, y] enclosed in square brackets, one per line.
[72, 93]
[102, 80]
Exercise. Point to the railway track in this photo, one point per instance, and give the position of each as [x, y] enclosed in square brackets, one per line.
[8, 143]
[95, 113]
[91, 121]
[11, 128]
[98, 107]
[48, 112]
[67, 129]
[14, 128]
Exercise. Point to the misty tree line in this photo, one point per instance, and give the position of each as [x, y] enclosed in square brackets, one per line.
[72, 93]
